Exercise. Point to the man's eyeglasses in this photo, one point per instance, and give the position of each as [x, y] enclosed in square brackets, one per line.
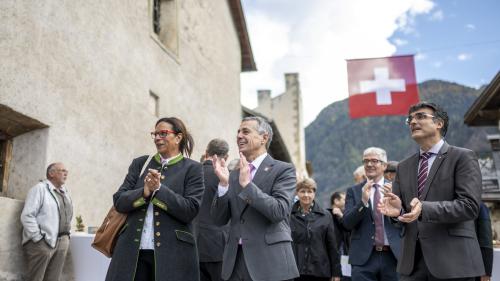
[418, 116]
[161, 134]
[372, 161]
[62, 170]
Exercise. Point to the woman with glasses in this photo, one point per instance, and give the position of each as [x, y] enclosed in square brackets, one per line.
[156, 242]
[313, 237]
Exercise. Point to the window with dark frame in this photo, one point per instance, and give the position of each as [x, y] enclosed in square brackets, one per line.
[156, 16]
[164, 17]
[154, 106]
[5, 156]
[2, 162]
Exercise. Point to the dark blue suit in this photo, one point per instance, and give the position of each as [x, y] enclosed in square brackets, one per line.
[362, 255]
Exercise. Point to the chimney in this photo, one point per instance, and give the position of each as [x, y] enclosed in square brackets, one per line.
[263, 96]
[292, 80]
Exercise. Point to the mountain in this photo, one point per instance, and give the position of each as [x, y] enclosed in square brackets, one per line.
[335, 143]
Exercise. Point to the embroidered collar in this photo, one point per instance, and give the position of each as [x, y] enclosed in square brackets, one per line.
[170, 161]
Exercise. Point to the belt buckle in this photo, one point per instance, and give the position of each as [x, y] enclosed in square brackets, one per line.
[379, 248]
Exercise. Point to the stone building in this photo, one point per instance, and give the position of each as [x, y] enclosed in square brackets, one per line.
[286, 111]
[83, 82]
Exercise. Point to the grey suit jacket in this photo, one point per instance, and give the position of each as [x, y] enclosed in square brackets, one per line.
[259, 215]
[450, 205]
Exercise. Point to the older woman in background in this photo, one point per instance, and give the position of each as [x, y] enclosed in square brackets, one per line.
[156, 242]
[314, 243]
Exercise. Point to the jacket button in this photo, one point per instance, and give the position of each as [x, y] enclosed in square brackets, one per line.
[141, 219]
[138, 230]
[136, 240]
[158, 234]
[373, 237]
[157, 213]
[242, 221]
[158, 244]
[248, 201]
[157, 223]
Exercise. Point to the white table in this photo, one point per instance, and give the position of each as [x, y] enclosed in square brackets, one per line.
[88, 263]
[495, 274]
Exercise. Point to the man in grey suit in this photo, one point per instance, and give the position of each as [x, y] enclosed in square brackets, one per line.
[436, 196]
[257, 199]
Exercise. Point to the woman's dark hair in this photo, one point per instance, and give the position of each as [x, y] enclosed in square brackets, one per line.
[187, 143]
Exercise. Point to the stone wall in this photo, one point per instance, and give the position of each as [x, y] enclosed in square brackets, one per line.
[86, 69]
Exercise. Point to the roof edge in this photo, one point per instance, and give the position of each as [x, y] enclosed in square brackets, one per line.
[247, 59]
[486, 96]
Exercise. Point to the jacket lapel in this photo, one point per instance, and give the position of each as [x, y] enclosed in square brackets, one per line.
[360, 194]
[413, 173]
[434, 168]
[236, 188]
[260, 177]
[263, 172]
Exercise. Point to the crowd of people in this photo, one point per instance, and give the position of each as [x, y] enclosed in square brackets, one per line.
[419, 219]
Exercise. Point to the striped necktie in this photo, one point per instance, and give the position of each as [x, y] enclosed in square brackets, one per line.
[378, 218]
[423, 172]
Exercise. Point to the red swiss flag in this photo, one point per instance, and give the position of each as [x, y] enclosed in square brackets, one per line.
[381, 86]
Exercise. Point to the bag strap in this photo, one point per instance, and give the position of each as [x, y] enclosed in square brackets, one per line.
[145, 165]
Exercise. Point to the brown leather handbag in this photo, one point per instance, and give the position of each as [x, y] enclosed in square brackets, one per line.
[107, 234]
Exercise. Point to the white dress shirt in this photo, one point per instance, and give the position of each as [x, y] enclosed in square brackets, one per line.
[147, 236]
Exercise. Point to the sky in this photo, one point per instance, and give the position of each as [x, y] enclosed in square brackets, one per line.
[452, 40]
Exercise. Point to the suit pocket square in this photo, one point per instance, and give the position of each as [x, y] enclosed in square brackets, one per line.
[276, 237]
[184, 236]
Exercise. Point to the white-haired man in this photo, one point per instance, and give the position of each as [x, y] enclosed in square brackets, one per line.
[375, 242]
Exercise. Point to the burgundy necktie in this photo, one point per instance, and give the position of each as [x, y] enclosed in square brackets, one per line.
[423, 172]
[379, 224]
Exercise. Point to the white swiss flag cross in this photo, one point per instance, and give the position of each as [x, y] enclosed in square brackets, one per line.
[381, 86]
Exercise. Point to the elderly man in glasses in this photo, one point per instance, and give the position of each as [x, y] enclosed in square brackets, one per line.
[436, 197]
[375, 242]
[46, 220]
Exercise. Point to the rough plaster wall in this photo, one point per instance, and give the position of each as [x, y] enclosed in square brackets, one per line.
[86, 68]
[11, 258]
[29, 155]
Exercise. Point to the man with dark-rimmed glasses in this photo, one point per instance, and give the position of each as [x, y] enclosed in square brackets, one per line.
[436, 197]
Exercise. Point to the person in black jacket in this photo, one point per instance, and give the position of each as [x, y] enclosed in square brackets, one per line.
[485, 239]
[342, 235]
[210, 237]
[313, 235]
